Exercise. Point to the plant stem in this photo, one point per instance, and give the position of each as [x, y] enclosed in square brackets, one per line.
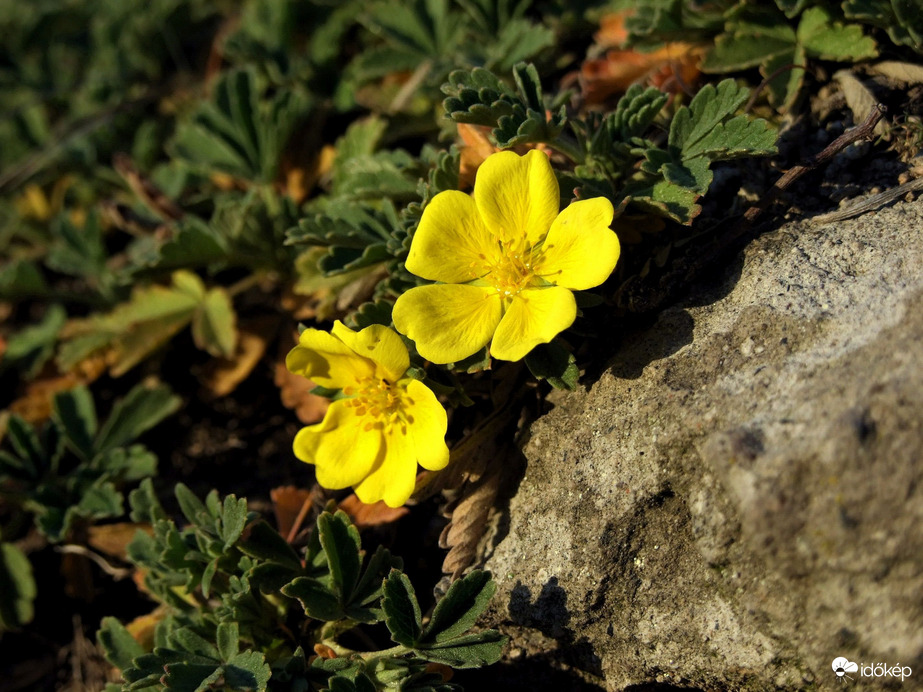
[568, 147]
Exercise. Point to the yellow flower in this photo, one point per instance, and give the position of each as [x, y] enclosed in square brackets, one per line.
[506, 261]
[374, 437]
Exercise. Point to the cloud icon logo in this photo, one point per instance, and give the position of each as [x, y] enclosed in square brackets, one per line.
[842, 665]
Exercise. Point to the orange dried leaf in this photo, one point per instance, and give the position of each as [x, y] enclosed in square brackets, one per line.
[440, 669]
[113, 539]
[612, 32]
[290, 504]
[476, 147]
[324, 651]
[223, 375]
[669, 68]
[295, 392]
[375, 514]
[142, 627]
[34, 406]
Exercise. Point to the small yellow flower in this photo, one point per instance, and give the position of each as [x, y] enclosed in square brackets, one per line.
[506, 260]
[385, 425]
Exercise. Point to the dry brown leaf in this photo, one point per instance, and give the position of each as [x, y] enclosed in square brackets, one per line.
[324, 651]
[295, 393]
[34, 406]
[903, 72]
[142, 627]
[295, 390]
[670, 68]
[859, 98]
[612, 32]
[301, 172]
[440, 669]
[468, 518]
[113, 539]
[376, 514]
[222, 375]
[290, 506]
[476, 147]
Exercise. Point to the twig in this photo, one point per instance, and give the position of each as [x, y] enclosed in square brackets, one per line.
[106, 566]
[871, 203]
[863, 131]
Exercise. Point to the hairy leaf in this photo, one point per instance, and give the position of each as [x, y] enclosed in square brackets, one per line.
[402, 611]
[17, 588]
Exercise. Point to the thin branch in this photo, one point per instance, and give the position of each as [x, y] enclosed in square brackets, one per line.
[871, 203]
[863, 131]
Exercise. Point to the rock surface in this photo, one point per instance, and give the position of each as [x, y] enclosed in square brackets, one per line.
[737, 501]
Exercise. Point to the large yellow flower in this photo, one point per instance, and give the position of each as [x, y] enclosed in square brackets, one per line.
[386, 424]
[506, 262]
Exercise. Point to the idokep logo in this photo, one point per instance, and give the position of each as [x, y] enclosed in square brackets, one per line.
[842, 666]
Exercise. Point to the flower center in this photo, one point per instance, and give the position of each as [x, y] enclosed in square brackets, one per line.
[378, 400]
[510, 269]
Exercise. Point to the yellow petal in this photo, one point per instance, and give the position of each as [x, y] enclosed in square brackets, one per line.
[580, 251]
[327, 361]
[392, 480]
[380, 344]
[451, 244]
[341, 449]
[448, 322]
[517, 195]
[427, 425]
[534, 317]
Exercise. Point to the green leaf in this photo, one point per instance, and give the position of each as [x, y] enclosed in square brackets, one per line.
[29, 349]
[402, 611]
[239, 133]
[138, 327]
[191, 506]
[828, 40]
[21, 279]
[128, 464]
[554, 363]
[26, 444]
[635, 112]
[666, 199]
[80, 251]
[518, 40]
[341, 544]
[75, 412]
[185, 639]
[191, 677]
[902, 19]
[518, 117]
[741, 50]
[247, 670]
[233, 520]
[264, 543]
[214, 324]
[117, 644]
[421, 28]
[460, 608]
[471, 651]
[227, 637]
[145, 507]
[139, 411]
[690, 131]
[193, 243]
[17, 588]
[318, 602]
[100, 501]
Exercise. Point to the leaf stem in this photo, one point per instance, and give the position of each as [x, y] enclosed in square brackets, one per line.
[569, 147]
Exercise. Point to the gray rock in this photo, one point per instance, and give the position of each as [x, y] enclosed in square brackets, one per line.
[737, 501]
